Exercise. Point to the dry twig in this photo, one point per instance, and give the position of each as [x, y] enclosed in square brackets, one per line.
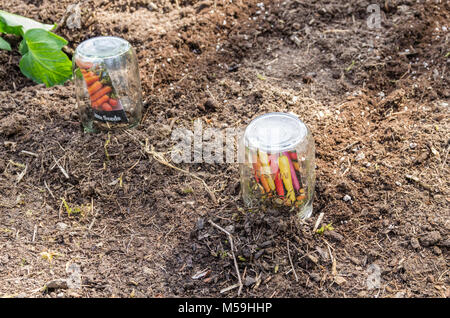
[319, 219]
[230, 237]
[61, 168]
[290, 261]
[161, 159]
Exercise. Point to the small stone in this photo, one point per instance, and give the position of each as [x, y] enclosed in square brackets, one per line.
[266, 243]
[340, 280]
[147, 271]
[334, 236]
[295, 39]
[412, 145]
[296, 26]
[347, 198]
[210, 104]
[152, 6]
[313, 259]
[415, 243]
[61, 226]
[60, 295]
[230, 229]
[400, 294]
[430, 238]
[259, 254]
[437, 250]
[362, 294]
[323, 253]
[360, 156]
[200, 224]
[315, 277]
[249, 281]
[57, 284]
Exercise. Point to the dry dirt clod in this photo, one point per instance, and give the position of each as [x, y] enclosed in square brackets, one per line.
[430, 238]
[61, 226]
[415, 243]
[57, 284]
[315, 277]
[335, 236]
[210, 105]
[437, 250]
[12, 125]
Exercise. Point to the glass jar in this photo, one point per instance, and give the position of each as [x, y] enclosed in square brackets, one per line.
[278, 169]
[107, 84]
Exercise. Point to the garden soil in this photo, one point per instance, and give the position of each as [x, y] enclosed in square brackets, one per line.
[126, 222]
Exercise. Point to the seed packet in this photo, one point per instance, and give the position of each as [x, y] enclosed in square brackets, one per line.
[105, 102]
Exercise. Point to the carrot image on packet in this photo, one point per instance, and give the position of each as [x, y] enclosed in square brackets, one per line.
[103, 97]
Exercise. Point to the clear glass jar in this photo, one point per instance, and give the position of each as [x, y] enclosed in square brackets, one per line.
[107, 84]
[278, 169]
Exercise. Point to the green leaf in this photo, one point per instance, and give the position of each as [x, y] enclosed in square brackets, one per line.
[4, 45]
[44, 62]
[15, 24]
[23, 48]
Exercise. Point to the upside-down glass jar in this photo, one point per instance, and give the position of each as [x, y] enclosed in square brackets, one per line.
[107, 84]
[278, 169]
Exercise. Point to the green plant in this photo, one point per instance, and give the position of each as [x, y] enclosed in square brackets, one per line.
[42, 60]
[327, 227]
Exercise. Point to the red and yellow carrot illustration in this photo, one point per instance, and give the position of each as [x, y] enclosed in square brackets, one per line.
[285, 171]
[263, 177]
[292, 155]
[256, 169]
[273, 161]
[265, 184]
[266, 169]
[295, 182]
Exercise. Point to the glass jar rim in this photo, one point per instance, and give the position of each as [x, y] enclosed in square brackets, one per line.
[114, 47]
[275, 132]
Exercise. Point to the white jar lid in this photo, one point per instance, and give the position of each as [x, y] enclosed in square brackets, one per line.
[275, 132]
[102, 47]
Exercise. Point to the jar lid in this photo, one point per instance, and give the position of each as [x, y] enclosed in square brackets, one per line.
[102, 47]
[275, 132]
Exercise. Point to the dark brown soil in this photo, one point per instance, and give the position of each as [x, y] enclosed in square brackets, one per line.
[376, 101]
